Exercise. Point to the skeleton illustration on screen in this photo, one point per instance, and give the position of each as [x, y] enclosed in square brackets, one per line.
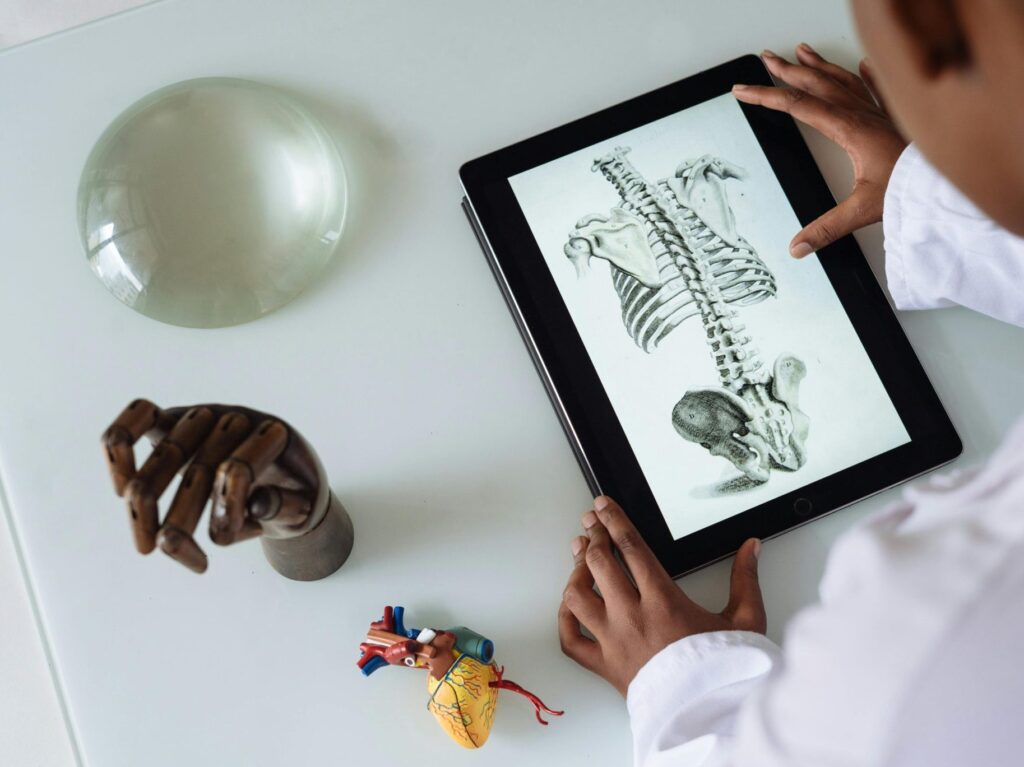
[675, 253]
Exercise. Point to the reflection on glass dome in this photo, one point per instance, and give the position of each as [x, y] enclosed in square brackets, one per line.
[211, 202]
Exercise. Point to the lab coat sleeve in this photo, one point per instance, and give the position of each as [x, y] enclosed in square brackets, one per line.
[940, 250]
[683, 703]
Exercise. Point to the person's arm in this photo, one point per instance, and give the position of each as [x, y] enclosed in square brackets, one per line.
[683, 704]
[940, 250]
[708, 690]
[684, 670]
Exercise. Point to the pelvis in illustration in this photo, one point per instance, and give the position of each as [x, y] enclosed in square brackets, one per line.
[675, 253]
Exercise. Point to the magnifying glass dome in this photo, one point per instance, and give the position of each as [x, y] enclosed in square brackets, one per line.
[211, 202]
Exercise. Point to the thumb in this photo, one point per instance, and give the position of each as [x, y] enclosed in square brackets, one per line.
[858, 210]
[746, 607]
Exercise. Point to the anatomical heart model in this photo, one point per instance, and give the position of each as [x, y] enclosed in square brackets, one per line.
[675, 253]
[463, 680]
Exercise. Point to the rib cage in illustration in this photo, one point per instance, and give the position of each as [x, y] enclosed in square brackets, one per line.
[651, 312]
[674, 253]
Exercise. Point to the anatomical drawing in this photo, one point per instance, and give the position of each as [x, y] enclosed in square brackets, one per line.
[675, 253]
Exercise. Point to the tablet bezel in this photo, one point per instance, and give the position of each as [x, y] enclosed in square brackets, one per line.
[590, 422]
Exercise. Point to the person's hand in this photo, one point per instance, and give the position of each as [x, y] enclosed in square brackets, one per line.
[639, 610]
[846, 109]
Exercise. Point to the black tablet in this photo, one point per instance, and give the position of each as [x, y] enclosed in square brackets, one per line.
[714, 385]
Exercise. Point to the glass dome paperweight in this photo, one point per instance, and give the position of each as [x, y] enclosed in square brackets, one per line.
[211, 202]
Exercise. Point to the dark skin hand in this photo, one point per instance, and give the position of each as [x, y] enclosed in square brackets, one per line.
[845, 108]
[640, 610]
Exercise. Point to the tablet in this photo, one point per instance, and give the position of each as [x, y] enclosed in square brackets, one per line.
[715, 386]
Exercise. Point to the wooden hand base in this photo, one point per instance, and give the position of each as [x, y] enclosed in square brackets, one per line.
[317, 553]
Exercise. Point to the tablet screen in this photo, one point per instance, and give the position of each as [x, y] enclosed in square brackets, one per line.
[732, 367]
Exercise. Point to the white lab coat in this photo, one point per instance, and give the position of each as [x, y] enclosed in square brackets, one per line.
[914, 657]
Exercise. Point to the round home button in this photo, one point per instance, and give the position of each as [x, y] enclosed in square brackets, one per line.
[802, 507]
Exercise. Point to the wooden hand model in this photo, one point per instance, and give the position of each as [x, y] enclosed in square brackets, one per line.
[264, 478]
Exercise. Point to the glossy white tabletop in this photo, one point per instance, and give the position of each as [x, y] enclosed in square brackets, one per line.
[401, 366]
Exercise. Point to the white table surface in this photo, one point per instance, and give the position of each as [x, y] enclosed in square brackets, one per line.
[401, 366]
[32, 730]
[24, 20]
